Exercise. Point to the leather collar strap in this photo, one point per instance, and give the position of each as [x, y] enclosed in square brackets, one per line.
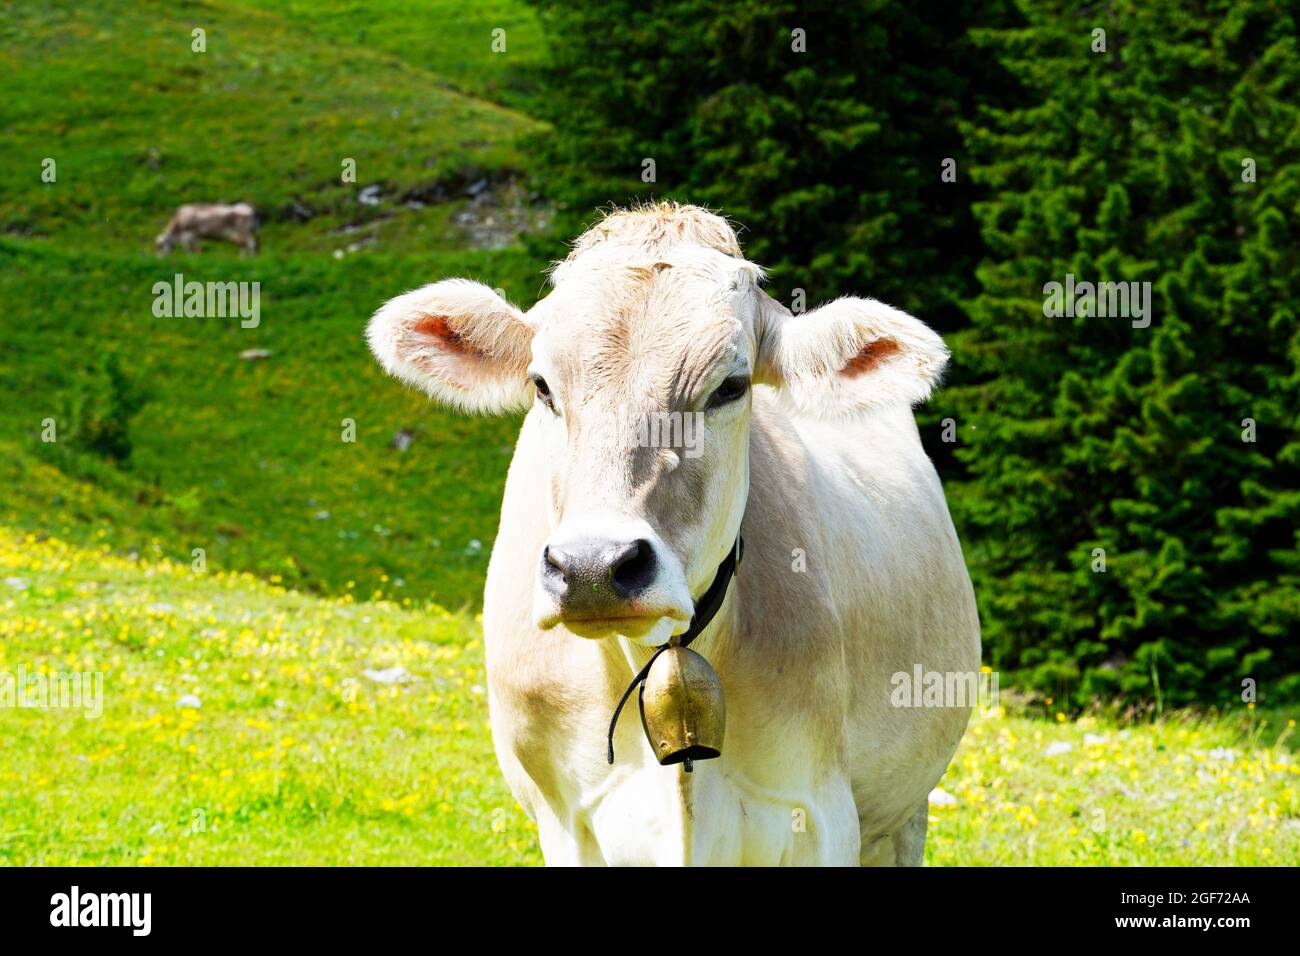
[706, 609]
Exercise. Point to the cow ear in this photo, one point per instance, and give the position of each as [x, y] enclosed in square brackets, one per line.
[849, 355]
[458, 341]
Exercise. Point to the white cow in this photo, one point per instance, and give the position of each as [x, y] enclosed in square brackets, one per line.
[852, 573]
[205, 220]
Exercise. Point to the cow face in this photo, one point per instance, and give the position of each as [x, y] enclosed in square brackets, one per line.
[642, 371]
[639, 369]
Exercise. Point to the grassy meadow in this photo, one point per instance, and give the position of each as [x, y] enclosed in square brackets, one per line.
[246, 459]
[244, 723]
[254, 710]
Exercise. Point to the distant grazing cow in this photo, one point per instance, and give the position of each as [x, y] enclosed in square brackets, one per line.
[195, 221]
[852, 583]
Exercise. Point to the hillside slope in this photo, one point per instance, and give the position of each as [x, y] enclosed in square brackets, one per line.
[137, 122]
[181, 439]
[254, 456]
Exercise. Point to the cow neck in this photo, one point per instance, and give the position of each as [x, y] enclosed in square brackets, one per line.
[706, 609]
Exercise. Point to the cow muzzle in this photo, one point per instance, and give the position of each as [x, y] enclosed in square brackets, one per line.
[600, 585]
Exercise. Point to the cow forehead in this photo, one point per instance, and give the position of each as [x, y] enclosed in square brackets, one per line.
[664, 321]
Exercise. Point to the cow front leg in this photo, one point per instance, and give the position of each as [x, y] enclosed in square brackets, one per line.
[571, 844]
[909, 841]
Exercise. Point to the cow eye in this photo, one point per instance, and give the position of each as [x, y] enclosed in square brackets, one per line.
[543, 392]
[730, 390]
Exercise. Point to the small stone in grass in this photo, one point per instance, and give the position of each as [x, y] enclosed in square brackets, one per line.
[390, 675]
[942, 798]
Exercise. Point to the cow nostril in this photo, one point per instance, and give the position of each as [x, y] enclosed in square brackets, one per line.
[635, 570]
[553, 561]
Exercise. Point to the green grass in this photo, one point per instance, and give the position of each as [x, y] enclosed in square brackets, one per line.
[450, 38]
[138, 123]
[1184, 790]
[247, 460]
[294, 756]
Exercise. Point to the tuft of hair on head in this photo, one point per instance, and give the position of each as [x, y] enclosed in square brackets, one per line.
[653, 228]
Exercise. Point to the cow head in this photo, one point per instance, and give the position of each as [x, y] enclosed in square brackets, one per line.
[637, 370]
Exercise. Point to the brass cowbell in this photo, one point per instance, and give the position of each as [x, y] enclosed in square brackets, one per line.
[682, 708]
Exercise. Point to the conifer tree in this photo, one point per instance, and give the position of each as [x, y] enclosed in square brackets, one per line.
[821, 127]
[1133, 507]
